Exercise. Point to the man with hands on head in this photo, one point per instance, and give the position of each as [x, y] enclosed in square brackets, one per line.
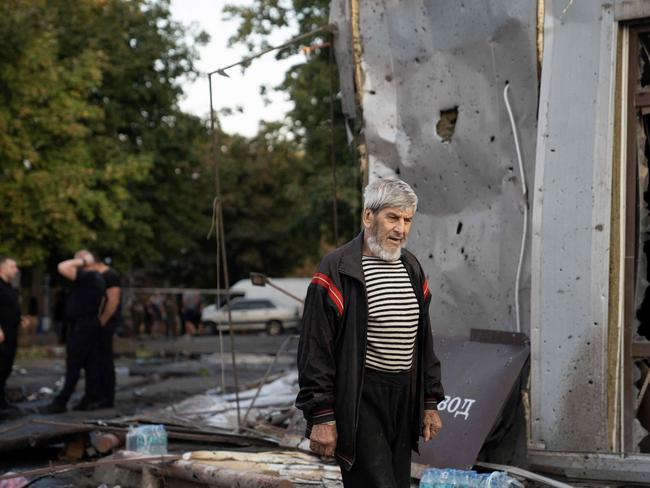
[82, 310]
[369, 378]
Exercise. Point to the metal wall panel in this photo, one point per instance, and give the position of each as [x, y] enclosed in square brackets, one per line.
[571, 228]
[421, 58]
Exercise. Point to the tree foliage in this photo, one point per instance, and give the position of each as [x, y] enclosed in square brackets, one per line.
[94, 151]
[93, 148]
[309, 121]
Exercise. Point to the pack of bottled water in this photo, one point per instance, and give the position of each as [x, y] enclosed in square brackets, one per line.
[458, 478]
[147, 439]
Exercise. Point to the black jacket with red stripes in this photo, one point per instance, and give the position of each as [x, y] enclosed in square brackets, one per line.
[332, 349]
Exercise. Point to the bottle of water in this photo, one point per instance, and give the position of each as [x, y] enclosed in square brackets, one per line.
[436, 478]
[499, 479]
[427, 480]
[455, 478]
[147, 439]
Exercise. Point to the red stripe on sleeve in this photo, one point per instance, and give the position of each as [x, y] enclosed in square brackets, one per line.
[332, 291]
[426, 289]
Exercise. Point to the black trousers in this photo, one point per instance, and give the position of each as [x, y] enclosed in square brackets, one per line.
[7, 355]
[383, 443]
[107, 359]
[103, 360]
[81, 346]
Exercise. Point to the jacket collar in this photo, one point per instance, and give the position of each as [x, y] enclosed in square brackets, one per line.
[350, 263]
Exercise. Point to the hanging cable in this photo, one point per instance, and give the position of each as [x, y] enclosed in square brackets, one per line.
[524, 193]
[332, 143]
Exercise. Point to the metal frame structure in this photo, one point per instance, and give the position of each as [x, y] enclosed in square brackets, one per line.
[637, 99]
[218, 225]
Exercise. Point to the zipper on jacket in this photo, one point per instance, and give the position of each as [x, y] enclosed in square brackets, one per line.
[363, 367]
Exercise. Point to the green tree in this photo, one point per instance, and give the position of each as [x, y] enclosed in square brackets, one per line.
[55, 191]
[93, 148]
[263, 182]
[309, 122]
[147, 55]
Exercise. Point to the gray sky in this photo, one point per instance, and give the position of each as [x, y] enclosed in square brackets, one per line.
[238, 90]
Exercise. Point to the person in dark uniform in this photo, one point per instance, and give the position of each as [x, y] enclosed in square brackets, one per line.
[82, 310]
[10, 319]
[110, 319]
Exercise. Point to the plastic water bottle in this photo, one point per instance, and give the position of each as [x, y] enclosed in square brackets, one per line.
[427, 479]
[499, 479]
[147, 439]
[440, 478]
[455, 478]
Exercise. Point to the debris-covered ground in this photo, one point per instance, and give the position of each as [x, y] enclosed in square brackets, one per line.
[187, 385]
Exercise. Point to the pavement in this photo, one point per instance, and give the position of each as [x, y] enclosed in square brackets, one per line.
[152, 371]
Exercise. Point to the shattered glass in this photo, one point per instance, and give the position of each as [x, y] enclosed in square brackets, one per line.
[643, 223]
[644, 59]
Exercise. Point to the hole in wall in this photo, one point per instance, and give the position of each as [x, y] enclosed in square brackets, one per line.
[446, 125]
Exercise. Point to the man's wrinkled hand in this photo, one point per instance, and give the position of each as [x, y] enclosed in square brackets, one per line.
[431, 425]
[323, 439]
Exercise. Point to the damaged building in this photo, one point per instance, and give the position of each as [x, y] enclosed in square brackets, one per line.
[523, 127]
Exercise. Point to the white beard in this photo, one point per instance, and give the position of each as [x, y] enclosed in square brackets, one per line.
[377, 250]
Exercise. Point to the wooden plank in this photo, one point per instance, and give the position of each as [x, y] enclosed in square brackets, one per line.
[641, 349]
[642, 99]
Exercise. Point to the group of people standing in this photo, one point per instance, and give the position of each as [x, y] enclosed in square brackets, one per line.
[169, 315]
[92, 316]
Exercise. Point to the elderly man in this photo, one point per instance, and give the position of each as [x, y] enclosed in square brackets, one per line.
[82, 310]
[369, 378]
[10, 319]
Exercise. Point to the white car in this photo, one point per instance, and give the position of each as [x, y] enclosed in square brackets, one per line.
[250, 315]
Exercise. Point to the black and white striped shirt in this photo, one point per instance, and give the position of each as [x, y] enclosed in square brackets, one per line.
[393, 315]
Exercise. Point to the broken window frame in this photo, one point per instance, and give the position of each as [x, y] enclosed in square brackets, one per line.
[638, 105]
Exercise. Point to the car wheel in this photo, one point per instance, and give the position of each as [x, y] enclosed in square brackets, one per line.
[274, 327]
[210, 328]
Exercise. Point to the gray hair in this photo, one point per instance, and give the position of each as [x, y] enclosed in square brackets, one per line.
[389, 192]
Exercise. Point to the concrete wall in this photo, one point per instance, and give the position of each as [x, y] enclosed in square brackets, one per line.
[571, 228]
[423, 57]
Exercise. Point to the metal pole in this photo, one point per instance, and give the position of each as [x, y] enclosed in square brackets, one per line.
[221, 249]
[221, 359]
[273, 285]
[332, 143]
[230, 327]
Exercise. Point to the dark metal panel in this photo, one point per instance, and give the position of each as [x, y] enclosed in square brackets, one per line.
[478, 378]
